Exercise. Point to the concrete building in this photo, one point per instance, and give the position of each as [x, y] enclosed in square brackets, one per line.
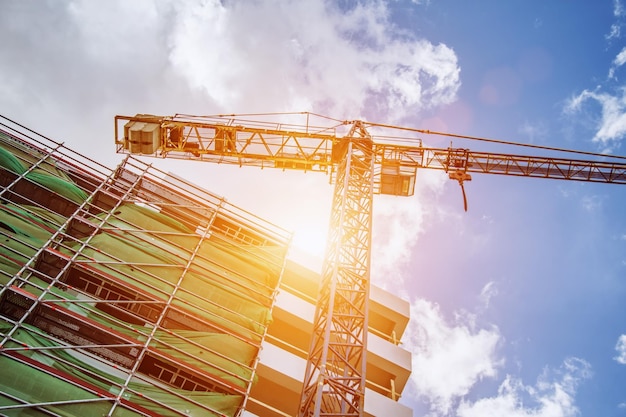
[130, 291]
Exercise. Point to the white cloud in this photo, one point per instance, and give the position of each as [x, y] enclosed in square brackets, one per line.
[551, 396]
[398, 223]
[249, 56]
[487, 293]
[448, 359]
[620, 347]
[611, 125]
[619, 60]
[616, 28]
[591, 203]
[535, 132]
[574, 103]
[345, 63]
[618, 8]
[614, 32]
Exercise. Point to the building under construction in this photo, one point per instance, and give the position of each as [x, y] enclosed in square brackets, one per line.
[131, 291]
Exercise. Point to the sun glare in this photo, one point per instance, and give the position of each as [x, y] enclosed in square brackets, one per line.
[308, 245]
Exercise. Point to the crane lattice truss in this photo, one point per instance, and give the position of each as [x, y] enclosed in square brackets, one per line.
[335, 375]
[360, 165]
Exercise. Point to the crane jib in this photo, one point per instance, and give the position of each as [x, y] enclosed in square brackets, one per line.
[221, 142]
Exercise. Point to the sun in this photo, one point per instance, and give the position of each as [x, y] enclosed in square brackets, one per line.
[308, 244]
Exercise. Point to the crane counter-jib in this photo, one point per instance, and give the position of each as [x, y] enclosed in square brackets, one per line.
[222, 141]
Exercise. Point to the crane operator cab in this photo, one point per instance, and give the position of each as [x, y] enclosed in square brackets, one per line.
[397, 179]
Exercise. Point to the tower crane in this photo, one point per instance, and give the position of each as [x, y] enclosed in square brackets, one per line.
[360, 165]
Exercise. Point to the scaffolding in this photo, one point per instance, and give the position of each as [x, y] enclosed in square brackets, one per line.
[126, 291]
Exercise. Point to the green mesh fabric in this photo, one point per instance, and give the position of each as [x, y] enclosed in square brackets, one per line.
[229, 286]
[158, 271]
[10, 162]
[60, 186]
[21, 235]
[27, 156]
[36, 385]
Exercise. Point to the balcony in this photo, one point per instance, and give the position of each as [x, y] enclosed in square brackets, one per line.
[283, 356]
[277, 393]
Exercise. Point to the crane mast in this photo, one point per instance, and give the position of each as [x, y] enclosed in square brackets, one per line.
[360, 165]
[334, 381]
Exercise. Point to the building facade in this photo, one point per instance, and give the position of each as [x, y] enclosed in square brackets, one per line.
[130, 291]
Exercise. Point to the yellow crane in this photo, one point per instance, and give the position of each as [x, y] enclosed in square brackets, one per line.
[362, 159]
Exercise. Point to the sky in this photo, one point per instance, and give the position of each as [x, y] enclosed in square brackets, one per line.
[517, 305]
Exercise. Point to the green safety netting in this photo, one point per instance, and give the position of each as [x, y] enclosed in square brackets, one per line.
[136, 217]
[21, 384]
[21, 235]
[218, 290]
[34, 385]
[228, 285]
[234, 285]
[23, 230]
[158, 272]
[60, 186]
[218, 354]
[24, 224]
[251, 261]
[10, 162]
[45, 174]
[50, 219]
[27, 156]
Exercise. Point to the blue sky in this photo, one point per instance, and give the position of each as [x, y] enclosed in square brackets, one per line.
[550, 255]
[517, 305]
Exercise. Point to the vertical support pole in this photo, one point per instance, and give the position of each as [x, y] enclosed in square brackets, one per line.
[334, 382]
